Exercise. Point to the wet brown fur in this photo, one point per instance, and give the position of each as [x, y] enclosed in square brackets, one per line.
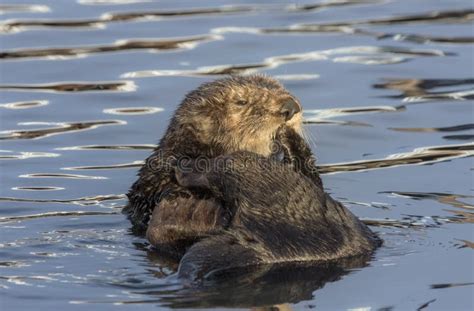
[220, 117]
[267, 209]
[279, 215]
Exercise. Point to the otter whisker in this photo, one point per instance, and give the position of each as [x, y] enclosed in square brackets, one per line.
[311, 139]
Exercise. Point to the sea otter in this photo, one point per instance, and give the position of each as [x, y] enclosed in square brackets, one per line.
[221, 117]
[272, 208]
[279, 215]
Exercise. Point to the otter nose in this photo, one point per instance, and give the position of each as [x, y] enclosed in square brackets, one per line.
[289, 109]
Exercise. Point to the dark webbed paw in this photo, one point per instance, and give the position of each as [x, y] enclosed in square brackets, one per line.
[295, 151]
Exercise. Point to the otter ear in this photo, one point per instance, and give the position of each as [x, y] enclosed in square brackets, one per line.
[190, 179]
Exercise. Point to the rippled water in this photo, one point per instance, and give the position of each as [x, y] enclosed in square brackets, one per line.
[89, 87]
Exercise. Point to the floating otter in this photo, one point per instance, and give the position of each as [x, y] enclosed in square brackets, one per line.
[269, 208]
[220, 117]
[279, 215]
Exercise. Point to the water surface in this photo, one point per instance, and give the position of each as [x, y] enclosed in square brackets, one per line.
[87, 88]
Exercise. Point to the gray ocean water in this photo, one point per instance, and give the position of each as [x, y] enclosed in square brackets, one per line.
[88, 87]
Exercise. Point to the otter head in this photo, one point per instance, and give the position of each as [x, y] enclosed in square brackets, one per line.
[239, 113]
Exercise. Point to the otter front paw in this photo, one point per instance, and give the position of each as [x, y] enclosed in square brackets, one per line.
[297, 153]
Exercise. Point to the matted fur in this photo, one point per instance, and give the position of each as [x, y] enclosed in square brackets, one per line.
[279, 215]
[237, 113]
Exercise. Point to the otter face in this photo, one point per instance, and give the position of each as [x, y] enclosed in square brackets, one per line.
[240, 113]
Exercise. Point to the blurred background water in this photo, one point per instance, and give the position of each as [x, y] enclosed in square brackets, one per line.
[88, 88]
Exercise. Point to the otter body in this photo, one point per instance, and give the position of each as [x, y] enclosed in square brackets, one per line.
[269, 208]
[279, 215]
[220, 117]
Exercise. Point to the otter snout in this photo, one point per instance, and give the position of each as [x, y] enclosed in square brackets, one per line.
[289, 109]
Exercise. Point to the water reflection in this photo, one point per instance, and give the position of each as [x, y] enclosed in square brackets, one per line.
[22, 25]
[412, 222]
[10, 155]
[25, 104]
[366, 55]
[23, 8]
[121, 86]
[259, 286]
[449, 16]
[110, 2]
[459, 137]
[84, 201]
[464, 212]
[38, 188]
[418, 156]
[354, 27]
[134, 164]
[448, 285]
[330, 4]
[351, 30]
[297, 77]
[419, 90]
[120, 45]
[133, 110]
[422, 39]
[56, 129]
[425, 305]
[443, 198]
[55, 214]
[56, 175]
[110, 147]
[335, 122]
[318, 114]
[452, 16]
[455, 128]
[467, 243]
